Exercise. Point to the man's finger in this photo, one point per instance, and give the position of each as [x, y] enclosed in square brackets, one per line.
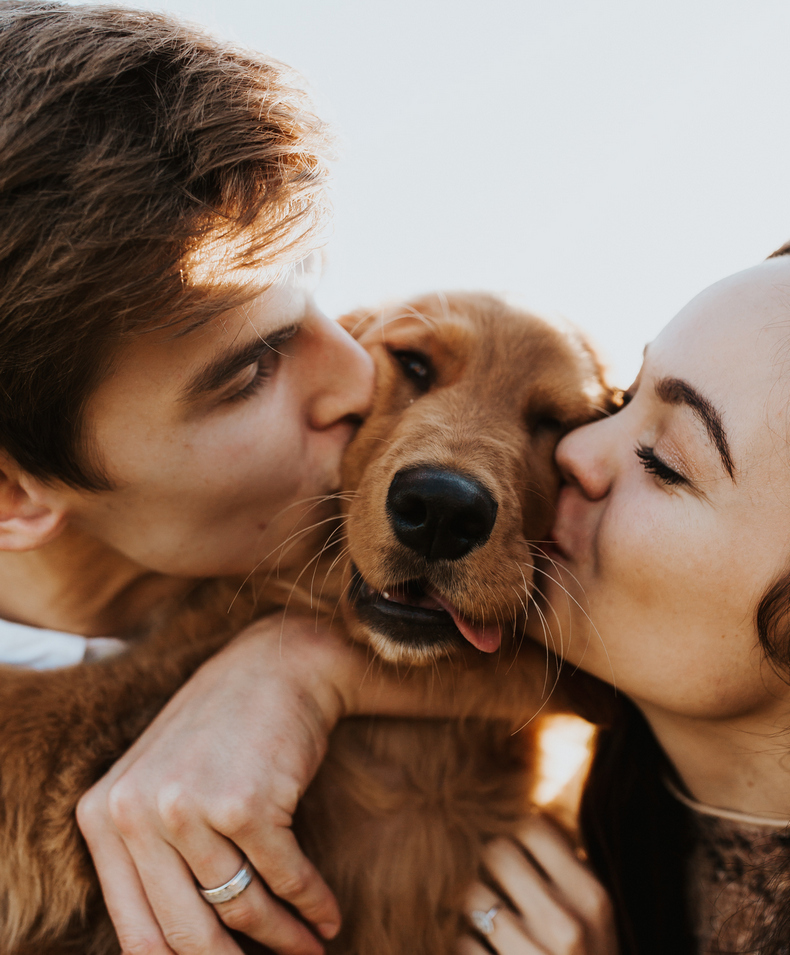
[257, 914]
[193, 926]
[292, 877]
[273, 852]
[132, 917]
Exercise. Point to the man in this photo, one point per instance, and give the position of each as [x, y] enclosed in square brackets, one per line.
[173, 406]
[170, 393]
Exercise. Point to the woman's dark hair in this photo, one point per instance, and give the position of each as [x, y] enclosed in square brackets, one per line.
[637, 838]
[129, 143]
[637, 834]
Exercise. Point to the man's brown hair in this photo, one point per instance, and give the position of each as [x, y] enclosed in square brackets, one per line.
[129, 141]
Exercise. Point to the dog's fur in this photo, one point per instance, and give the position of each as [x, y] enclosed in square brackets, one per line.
[399, 812]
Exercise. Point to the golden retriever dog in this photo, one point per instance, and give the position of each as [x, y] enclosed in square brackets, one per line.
[448, 493]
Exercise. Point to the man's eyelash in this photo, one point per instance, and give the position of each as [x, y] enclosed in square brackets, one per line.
[265, 367]
[656, 466]
[266, 364]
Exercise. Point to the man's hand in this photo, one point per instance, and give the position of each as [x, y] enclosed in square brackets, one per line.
[217, 777]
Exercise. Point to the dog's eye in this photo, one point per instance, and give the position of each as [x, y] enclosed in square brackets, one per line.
[417, 368]
[540, 424]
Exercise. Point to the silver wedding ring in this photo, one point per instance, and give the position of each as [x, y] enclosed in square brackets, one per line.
[484, 921]
[230, 889]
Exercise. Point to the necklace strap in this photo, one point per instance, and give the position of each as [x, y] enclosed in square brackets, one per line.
[733, 815]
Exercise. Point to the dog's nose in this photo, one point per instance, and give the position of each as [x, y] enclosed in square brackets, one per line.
[440, 514]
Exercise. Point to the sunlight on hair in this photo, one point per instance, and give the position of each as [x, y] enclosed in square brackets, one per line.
[564, 751]
[222, 259]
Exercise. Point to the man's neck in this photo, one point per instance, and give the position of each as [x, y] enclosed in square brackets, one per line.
[80, 585]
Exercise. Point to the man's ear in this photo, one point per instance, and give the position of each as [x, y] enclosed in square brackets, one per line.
[31, 512]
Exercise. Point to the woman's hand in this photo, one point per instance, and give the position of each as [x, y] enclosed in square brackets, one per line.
[217, 777]
[559, 907]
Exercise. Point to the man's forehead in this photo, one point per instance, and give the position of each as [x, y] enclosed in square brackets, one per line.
[161, 361]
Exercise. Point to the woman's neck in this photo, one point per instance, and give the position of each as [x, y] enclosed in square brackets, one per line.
[741, 764]
[80, 585]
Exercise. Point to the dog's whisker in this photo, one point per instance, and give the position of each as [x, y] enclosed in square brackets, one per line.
[295, 537]
[298, 531]
[343, 553]
[341, 596]
[315, 560]
[525, 604]
[375, 437]
[536, 570]
[545, 694]
[558, 656]
[332, 541]
[548, 639]
[593, 629]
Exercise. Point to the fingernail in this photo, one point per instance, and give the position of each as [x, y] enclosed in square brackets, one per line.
[329, 929]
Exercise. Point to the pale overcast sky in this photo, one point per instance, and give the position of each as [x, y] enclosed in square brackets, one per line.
[605, 160]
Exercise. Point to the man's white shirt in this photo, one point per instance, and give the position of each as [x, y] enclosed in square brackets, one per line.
[37, 649]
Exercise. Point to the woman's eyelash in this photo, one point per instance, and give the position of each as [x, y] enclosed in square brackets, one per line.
[656, 466]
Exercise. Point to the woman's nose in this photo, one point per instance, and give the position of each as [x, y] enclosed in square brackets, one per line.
[342, 376]
[584, 459]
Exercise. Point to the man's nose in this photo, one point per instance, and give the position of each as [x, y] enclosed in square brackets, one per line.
[344, 376]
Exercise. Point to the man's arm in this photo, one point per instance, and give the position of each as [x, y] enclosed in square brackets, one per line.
[219, 773]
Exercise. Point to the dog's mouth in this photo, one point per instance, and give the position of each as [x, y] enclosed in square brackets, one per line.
[414, 613]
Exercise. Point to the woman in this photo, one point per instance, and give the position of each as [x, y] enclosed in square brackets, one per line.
[673, 525]
[669, 581]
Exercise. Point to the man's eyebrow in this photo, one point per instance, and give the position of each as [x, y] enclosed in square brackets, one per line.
[675, 391]
[224, 367]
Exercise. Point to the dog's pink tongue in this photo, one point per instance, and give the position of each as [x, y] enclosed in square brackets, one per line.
[486, 637]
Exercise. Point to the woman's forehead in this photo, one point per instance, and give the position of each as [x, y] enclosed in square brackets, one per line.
[732, 344]
[735, 330]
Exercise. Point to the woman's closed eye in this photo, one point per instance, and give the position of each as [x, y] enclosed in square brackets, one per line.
[654, 465]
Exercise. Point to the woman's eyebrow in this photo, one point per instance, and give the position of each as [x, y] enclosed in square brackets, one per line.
[675, 391]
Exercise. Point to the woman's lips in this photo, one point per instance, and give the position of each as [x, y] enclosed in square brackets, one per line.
[558, 539]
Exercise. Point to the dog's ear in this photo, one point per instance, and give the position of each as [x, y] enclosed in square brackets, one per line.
[356, 323]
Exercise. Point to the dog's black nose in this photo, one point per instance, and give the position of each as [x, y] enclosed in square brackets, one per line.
[441, 515]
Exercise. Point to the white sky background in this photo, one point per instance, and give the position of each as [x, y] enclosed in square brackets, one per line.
[604, 160]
